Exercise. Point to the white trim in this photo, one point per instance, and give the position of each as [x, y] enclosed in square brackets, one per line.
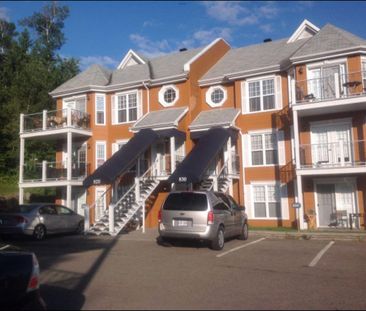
[104, 109]
[101, 143]
[305, 24]
[187, 65]
[316, 65]
[130, 54]
[161, 94]
[340, 121]
[209, 94]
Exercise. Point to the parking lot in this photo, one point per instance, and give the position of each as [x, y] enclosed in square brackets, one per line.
[133, 272]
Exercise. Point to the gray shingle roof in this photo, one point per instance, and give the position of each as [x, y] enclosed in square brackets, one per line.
[328, 39]
[161, 118]
[94, 75]
[275, 53]
[215, 117]
[155, 68]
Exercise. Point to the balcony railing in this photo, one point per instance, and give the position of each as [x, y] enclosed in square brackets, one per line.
[335, 86]
[54, 171]
[335, 154]
[54, 119]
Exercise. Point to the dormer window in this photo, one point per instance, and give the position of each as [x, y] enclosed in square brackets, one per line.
[168, 95]
[216, 96]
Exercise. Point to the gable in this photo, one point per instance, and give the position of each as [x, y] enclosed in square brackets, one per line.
[304, 31]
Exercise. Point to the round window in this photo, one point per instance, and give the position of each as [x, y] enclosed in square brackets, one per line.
[217, 96]
[169, 95]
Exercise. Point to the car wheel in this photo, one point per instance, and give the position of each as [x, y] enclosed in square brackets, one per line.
[219, 240]
[244, 232]
[80, 228]
[39, 232]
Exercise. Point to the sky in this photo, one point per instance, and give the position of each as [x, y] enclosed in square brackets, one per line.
[103, 31]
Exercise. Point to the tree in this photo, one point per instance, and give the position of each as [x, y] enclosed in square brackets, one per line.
[29, 69]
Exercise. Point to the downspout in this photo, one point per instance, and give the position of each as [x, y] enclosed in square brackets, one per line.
[148, 96]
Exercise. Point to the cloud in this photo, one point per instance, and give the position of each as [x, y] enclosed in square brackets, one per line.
[241, 13]
[105, 61]
[266, 28]
[4, 13]
[149, 47]
[204, 37]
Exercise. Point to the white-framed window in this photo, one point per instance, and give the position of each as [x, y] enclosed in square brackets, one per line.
[262, 95]
[100, 153]
[168, 95]
[263, 147]
[363, 68]
[266, 201]
[100, 109]
[125, 107]
[216, 96]
[118, 145]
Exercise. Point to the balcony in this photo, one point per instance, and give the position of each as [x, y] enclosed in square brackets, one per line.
[340, 157]
[55, 173]
[55, 122]
[341, 92]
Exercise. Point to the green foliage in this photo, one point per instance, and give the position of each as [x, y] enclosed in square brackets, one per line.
[29, 69]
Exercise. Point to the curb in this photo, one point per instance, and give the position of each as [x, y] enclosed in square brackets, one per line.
[311, 236]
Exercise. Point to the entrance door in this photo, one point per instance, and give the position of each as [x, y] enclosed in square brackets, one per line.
[326, 204]
[159, 151]
[100, 202]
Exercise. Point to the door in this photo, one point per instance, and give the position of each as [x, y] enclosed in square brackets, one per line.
[331, 144]
[329, 82]
[66, 219]
[238, 215]
[158, 158]
[50, 218]
[100, 203]
[346, 203]
[326, 204]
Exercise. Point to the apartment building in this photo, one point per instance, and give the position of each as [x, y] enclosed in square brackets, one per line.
[279, 125]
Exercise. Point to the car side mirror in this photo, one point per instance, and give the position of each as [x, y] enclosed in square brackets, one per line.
[242, 207]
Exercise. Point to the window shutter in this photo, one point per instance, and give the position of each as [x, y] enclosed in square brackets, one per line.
[114, 148]
[281, 148]
[139, 104]
[247, 201]
[278, 86]
[113, 110]
[244, 97]
[284, 201]
[247, 156]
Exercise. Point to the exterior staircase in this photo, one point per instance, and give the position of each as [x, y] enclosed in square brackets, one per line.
[128, 207]
[223, 181]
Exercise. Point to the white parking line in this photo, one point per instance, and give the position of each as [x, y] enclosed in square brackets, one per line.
[239, 247]
[4, 247]
[320, 254]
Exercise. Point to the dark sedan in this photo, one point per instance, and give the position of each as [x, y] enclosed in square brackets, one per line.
[19, 280]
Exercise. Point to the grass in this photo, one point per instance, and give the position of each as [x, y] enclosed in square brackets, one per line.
[8, 189]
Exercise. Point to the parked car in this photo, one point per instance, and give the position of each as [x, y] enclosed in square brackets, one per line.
[202, 215]
[39, 220]
[19, 280]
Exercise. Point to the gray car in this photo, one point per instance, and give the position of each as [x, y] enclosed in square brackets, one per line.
[40, 219]
[202, 215]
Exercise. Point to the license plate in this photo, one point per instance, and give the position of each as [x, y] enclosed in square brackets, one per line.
[181, 223]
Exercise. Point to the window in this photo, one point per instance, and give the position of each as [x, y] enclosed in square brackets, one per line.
[186, 201]
[216, 96]
[364, 75]
[100, 109]
[125, 108]
[77, 103]
[266, 201]
[264, 149]
[100, 154]
[168, 95]
[261, 95]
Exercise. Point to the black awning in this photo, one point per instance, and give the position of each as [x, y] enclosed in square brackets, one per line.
[122, 160]
[195, 164]
[170, 133]
[232, 131]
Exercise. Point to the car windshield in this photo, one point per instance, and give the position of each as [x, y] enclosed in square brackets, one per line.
[186, 201]
[19, 208]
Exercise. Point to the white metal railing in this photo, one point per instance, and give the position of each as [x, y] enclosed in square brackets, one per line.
[330, 87]
[334, 154]
[52, 171]
[163, 165]
[54, 119]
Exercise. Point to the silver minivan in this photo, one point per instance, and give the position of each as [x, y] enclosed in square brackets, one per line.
[210, 216]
